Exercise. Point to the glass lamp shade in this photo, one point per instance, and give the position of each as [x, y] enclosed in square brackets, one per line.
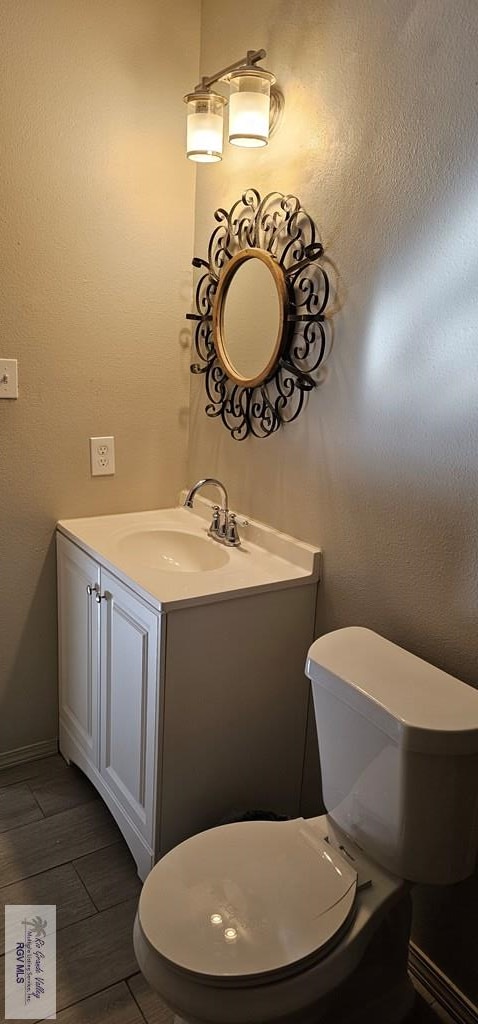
[249, 107]
[205, 126]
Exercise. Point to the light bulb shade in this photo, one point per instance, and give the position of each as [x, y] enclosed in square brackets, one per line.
[249, 106]
[205, 126]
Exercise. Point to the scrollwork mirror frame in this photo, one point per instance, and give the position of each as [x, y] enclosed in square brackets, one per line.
[277, 230]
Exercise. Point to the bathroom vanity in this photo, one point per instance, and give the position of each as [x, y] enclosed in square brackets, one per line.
[182, 689]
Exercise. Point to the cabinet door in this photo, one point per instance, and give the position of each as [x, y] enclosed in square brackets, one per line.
[78, 638]
[129, 684]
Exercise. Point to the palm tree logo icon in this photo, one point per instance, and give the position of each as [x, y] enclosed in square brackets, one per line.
[38, 926]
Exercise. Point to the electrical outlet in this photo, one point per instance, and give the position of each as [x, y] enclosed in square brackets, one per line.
[102, 456]
[8, 378]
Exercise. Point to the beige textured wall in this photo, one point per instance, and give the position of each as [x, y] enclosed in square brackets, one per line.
[96, 210]
[379, 141]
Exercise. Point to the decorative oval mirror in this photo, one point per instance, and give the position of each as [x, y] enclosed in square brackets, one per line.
[248, 348]
[260, 314]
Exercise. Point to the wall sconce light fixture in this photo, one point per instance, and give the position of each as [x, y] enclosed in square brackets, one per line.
[205, 126]
[254, 107]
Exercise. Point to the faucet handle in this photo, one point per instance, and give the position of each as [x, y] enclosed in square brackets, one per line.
[223, 518]
[214, 527]
[232, 533]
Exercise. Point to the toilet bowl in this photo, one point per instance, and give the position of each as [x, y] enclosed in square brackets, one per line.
[298, 921]
[259, 921]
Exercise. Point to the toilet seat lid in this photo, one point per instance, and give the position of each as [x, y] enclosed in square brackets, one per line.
[246, 899]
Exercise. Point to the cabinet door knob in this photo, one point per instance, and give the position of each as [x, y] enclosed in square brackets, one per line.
[100, 597]
[92, 589]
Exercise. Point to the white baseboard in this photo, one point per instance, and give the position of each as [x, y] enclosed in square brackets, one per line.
[441, 988]
[30, 753]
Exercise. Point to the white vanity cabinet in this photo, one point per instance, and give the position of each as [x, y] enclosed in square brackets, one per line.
[129, 673]
[108, 674]
[182, 706]
[78, 646]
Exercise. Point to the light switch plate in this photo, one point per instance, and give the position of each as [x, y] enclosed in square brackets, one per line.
[8, 378]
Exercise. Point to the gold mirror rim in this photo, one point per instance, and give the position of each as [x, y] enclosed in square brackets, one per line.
[225, 281]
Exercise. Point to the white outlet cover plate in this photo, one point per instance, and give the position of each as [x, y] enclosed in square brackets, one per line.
[8, 378]
[102, 456]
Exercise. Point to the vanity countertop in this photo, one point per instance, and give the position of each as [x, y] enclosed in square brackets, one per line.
[168, 556]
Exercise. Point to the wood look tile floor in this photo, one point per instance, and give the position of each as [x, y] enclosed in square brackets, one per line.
[59, 844]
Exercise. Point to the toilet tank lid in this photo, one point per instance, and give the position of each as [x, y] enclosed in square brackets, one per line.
[418, 705]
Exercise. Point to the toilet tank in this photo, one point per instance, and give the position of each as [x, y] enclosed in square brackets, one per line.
[398, 742]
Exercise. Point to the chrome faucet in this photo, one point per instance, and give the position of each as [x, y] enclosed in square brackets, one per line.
[190, 496]
[223, 526]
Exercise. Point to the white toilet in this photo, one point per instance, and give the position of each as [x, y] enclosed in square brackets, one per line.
[308, 920]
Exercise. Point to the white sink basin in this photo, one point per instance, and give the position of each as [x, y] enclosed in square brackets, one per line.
[169, 557]
[173, 550]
